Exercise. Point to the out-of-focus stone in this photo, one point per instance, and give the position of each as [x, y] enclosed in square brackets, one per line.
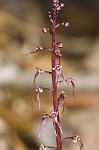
[87, 121]
[92, 61]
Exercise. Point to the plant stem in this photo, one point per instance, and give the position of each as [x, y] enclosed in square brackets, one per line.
[54, 81]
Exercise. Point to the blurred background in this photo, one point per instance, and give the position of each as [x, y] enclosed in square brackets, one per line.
[21, 23]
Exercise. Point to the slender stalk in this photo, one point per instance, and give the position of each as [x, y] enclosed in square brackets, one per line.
[54, 82]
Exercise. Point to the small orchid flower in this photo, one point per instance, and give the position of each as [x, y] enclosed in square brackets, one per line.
[38, 48]
[42, 147]
[50, 16]
[45, 30]
[38, 91]
[58, 73]
[53, 115]
[61, 98]
[76, 139]
[66, 24]
[38, 72]
[60, 44]
[71, 81]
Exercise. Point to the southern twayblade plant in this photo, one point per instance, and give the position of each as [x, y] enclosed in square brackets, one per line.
[57, 79]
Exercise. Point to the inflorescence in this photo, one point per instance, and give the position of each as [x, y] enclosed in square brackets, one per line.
[57, 69]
